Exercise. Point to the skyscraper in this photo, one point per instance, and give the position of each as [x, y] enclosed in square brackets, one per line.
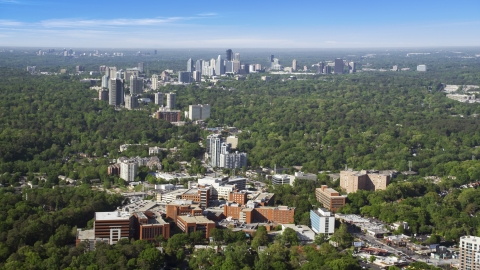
[321, 66]
[136, 85]
[131, 102]
[171, 99]
[159, 98]
[219, 67]
[154, 81]
[105, 81]
[338, 66]
[215, 149]
[140, 66]
[271, 58]
[115, 95]
[237, 57]
[229, 54]
[294, 65]
[199, 65]
[190, 66]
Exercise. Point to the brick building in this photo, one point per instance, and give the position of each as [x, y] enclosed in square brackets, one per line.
[189, 224]
[113, 226]
[238, 197]
[174, 210]
[330, 198]
[249, 214]
[168, 115]
[149, 225]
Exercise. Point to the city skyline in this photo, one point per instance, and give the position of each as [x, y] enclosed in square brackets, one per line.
[217, 24]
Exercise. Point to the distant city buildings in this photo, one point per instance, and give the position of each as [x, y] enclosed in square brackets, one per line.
[339, 66]
[294, 65]
[220, 155]
[131, 102]
[168, 115]
[199, 112]
[351, 181]
[184, 76]
[154, 81]
[136, 85]
[422, 68]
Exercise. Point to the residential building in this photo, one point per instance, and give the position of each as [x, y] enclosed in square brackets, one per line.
[159, 98]
[294, 65]
[155, 82]
[215, 142]
[338, 66]
[184, 76]
[422, 68]
[168, 115]
[351, 181]
[199, 111]
[128, 171]
[197, 76]
[110, 227]
[199, 65]
[469, 253]
[233, 160]
[113, 169]
[330, 198]
[190, 224]
[105, 81]
[148, 226]
[322, 221]
[115, 94]
[171, 100]
[131, 102]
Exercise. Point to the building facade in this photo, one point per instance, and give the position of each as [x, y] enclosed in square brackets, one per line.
[322, 221]
[171, 100]
[330, 198]
[128, 171]
[338, 66]
[110, 227]
[199, 111]
[158, 98]
[136, 85]
[469, 253]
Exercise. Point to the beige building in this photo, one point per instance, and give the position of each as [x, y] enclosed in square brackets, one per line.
[469, 252]
[330, 198]
[351, 181]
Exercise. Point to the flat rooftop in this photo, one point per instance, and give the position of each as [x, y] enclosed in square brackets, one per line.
[195, 219]
[86, 235]
[115, 215]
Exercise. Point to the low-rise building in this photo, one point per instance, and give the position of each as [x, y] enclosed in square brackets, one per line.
[189, 224]
[304, 233]
[110, 227]
[149, 225]
[281, 179]
[181, 208]
[351, 181]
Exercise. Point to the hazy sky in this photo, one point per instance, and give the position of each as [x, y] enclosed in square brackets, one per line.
[239, 24]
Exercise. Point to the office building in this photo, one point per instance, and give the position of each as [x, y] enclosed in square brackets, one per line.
[131, 102]
[197, 76]
[128, 171]
[275, 65]
[155, 82]
[352, 67]
[281, 179]
[168, 115]
[115, 94]
[327, 69]
[199, 111]
[330, 198]
[110, 227]
[136, 85]
[270, 59]
[180, 207]
[294, 65]
[198, 195]
[103, 95]
[171, 99]
[338, 66]
[219, 66]
[469, 253]
[190, 65]
[233, 160]
[199, 65]
[237, 57]
[238, 197]
[229, 55]
[184, 76]
[111, 72]
[351, 181]
[158, 98]
[131, 72]
[140, 67]
[322, 221]
[422, 68]
[148, 226]
[229, 67]
[190, 224]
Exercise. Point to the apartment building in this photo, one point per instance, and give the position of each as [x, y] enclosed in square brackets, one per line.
[322, 221]
[469, 253]
[351, 181]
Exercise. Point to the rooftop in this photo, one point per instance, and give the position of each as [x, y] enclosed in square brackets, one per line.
[195, 219]
[115, 215]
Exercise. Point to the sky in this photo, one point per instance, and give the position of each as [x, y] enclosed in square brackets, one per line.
[239, 24]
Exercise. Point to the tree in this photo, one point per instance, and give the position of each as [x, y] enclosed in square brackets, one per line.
[176, 243]
[290, 236]
[343, 238]
[260, 238]
[372, 258]
[320, 239]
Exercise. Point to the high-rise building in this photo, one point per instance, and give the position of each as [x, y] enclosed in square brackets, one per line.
[351, 181]
[233, 160]
[422, 68]
[136, 85]
[154, 81]
[111, 72]
[115, 94]
[158, 98]
[271, 58]
[229, 54]
[322, 221]
[105, 81]
[103, 95]
[171, 99]
[131, 102]
[190, 65]
[215, 142]
[469, 252]
[294, 65]
[199, 65]
[352, 67]
[237, 57]
[140, 67]
[327, 69]
[184, 76]
[321, 66]
[338, 66]
[128, 171]
[229, 67]
[197, 76]
[219, 67]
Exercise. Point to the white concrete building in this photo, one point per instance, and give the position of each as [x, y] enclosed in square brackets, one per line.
[128, 171]
[322, 221]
